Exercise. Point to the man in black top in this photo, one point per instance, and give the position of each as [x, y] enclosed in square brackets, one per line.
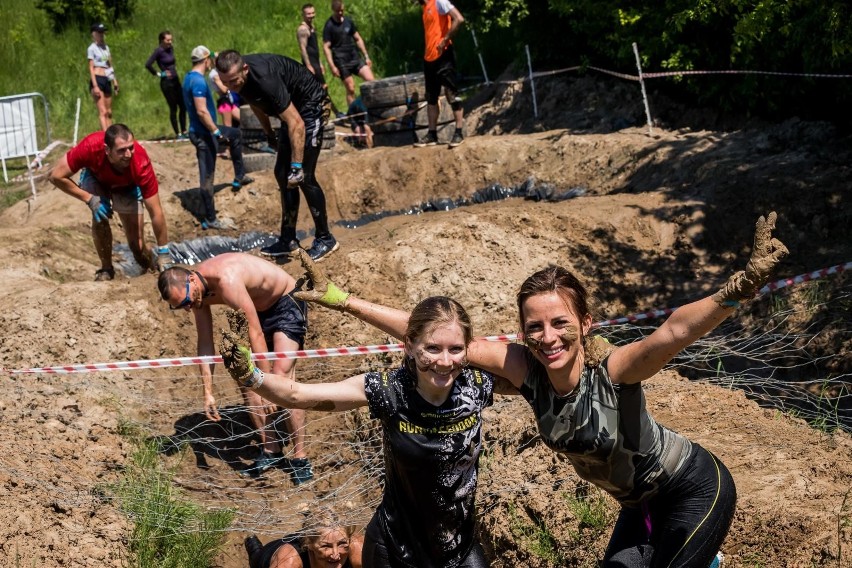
[341, 42]
[275, 85]
[306, 35]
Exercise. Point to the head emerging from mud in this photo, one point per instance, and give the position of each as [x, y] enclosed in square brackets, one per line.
[327, 537]
[436, 340]
[554, 316]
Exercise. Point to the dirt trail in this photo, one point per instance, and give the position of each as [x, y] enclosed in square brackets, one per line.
[664, 219]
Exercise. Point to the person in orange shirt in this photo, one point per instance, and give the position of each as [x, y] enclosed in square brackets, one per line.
[441, 20]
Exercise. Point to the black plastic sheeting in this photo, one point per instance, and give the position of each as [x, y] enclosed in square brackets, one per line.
[196, 250]
[495, 192]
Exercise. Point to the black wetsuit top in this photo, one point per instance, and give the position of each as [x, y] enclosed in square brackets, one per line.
[275, 81]
[431, 456]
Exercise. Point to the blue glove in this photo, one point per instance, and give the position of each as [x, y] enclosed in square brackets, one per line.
[101, 208]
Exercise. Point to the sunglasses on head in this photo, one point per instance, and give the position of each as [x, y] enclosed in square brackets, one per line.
[187, 301]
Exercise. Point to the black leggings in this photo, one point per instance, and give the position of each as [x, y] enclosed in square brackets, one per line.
[310, 186]
[681, 527]
[375, 553]
[174, 97]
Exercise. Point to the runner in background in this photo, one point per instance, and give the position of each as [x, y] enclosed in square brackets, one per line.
[164, 56]
[102, 81]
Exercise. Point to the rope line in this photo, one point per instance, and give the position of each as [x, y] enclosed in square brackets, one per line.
[386, 348]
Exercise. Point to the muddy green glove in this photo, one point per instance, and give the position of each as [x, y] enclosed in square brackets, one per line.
[324, 291]
[765, 256]
[236, 355]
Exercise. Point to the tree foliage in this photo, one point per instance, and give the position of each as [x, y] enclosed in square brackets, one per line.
[83, 13]
[785, 36]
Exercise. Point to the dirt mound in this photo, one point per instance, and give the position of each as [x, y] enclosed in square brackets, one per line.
[663, 219]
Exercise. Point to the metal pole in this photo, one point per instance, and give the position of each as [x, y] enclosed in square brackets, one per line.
[532, 82]
[76, 122]
[644, 94]
[479, 54]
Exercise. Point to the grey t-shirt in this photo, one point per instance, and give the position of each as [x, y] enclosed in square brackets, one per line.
[606, 433]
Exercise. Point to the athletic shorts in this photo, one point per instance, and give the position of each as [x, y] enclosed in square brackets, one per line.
[226, 105]
[287, 315]
[104, 84]
[126, 200]
[348, 67]
[438, 73]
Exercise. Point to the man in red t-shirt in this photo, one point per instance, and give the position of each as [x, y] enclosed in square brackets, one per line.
[116, 175]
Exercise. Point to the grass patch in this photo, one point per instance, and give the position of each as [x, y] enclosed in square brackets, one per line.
[168, 530]
[591, 508]
[535, 536]
[9, 197]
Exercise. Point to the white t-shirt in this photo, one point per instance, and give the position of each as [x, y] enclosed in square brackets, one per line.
[444, 6]
[100, 56]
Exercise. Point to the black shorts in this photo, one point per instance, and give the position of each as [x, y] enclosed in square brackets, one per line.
[349, 66]
[104, 84]
[438, 73]
[287, 315]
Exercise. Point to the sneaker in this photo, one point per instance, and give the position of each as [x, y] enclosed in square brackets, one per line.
[300, 469]
[430, 139]
[104, 274]
[214, 224]
[457, 139]
[183, 136]
[322, 247]
[237, 184]
[265, 461]
[280, 248]
[253, 547]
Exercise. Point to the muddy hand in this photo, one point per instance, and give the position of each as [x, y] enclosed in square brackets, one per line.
[597, 348]
[239, 325]
[324, 291]
[237, 359]
[765, 256]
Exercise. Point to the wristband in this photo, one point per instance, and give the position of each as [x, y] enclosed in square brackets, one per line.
[256, 379]
[163, 250]
[295, 164]
[216, 133]
[731, 304]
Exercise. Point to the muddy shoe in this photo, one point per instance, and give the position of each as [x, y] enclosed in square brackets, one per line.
[104, 274]
[237, 184]
[215, 224]
[263, 463]
[430, 139]
[253, 547]
[322, 247]
[457, 139]
[300, 469]
[280, 248]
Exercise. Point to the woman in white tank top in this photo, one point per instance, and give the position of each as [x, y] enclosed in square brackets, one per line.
[102, 81]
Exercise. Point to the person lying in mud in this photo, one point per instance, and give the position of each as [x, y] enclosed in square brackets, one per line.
[430, 409]
[276, 322]
[325, 541]
[677, 499]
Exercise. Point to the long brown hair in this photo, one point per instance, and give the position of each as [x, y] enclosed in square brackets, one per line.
[559, 280]
[435, 311]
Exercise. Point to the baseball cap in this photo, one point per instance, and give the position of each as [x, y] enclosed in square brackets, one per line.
[98, 27]
[200, 53]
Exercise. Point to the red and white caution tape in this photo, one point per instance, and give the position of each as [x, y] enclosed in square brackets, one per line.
[387, 348]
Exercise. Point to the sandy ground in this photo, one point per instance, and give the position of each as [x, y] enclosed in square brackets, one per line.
[664, 218]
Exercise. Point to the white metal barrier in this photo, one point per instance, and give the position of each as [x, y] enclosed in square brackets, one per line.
[19, 129]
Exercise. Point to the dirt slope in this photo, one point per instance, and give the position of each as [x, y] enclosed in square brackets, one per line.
[663, 219]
